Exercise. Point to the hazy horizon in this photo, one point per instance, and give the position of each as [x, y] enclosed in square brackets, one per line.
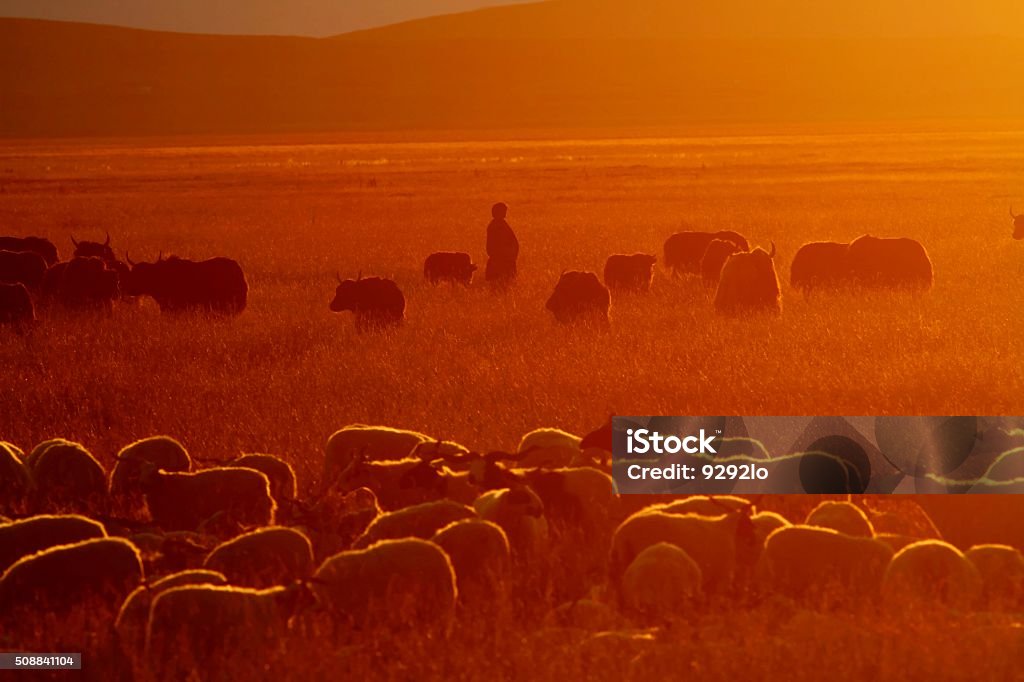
[314, 18]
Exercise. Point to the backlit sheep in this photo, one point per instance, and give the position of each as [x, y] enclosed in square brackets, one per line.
[480, 555]
[27, 536]
[1001, 568]
[661, 583]
[417, 521]
[844, 517]
[520, 513]
[263, 558]
[931, 572]
[184, 501]
[67, 476]
[163, 452]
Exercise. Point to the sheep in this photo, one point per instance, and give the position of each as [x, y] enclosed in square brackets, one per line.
[719, 544]
[15, 480]
[134, 614]
[90, 578]
[15, 450]
[480, 555]
[895, 540]
[583, 614]
[900, 517]
[520, 513]
[931, 572]
[334, 520]
[185, 501]
[1001, 568]
[548, 447]
[163, 452]
[406, 582]
[380, 443]
[706, 506]
[807, 563]
[219, 630]
[263, 558]
[66, 475]
[574, 498]
[417, 521]
[765, 523]
[27, 536]
[844, 517]
[396, 484]
[33, 455]
[662, 582]
[280, 473]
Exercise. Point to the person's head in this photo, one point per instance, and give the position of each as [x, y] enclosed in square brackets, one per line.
[499, 210]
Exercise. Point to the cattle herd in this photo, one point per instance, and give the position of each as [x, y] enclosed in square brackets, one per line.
[182, 565]
[743, 280]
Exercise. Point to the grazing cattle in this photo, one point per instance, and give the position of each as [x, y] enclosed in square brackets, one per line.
[22, 267]
[629, 273]
[684, 250]
[448, 266]
[16, 305]
[37, 245]
[1018, 224]
[82, 283]
[890, 263]
[715, 255]
[216, 285]
[820, 264]
[749, 284]
[579, 296]
[86, 249]
[375, 302]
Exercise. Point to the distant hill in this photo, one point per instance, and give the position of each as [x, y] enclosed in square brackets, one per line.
[567, 63]
[245, 17]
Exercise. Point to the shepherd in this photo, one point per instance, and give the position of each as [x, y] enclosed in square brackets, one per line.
[502, 249]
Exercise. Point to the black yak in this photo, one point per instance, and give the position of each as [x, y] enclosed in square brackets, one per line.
[22, 267]
[629, 273]
[376, 302]
[820, 264]
[44, 247]
[749, 284]
[1018, 224]
[714, 258]
[16, 305]
[684, 250]
[890, 263]
[216, 285]
[99, 250]
[579, 296]
[448, 266]
[82, 283]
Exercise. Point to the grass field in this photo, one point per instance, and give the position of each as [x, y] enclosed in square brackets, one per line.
[483, 369]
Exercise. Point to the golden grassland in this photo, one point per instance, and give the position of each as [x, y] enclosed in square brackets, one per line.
[483, 369]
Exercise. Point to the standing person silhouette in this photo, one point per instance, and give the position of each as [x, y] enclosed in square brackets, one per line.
[502, 249]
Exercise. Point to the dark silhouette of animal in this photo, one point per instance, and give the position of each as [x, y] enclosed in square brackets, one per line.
[684, 250]
[103, 251]
[749, 284]
[1018, 224]
[16, 305]
[449, 266]
[376, 302]
[82, 283]
[713, 261]
[43, 247]
[629, 273]
[22, 267]
[502, 249]
[216, 285]
[820, 264]
[890, 263]
[579, 296]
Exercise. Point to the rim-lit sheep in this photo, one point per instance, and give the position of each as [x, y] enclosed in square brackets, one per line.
[844, 517]
[396, 484]
[661, 583]
[548, 447]
[280, 473]
[226, 632]
[263, 558]
[1001, 568]
[629, 274]
[185, 501]
[381, 443]
[417, 521]
[580, 297]
[27, 536]
[481, 557]
[822, 565]
[68, 477]
[519, 512]
[94, 574]
[402, 583]
[931, 572]
[134, 614]
[163, 452]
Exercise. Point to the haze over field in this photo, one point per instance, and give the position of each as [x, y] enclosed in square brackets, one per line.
[561, 64]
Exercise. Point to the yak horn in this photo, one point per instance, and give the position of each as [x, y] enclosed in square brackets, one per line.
[772, 254]
[107, 243]
[128, 258]
[337, 276]
[73, 241]
[1011, 213]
